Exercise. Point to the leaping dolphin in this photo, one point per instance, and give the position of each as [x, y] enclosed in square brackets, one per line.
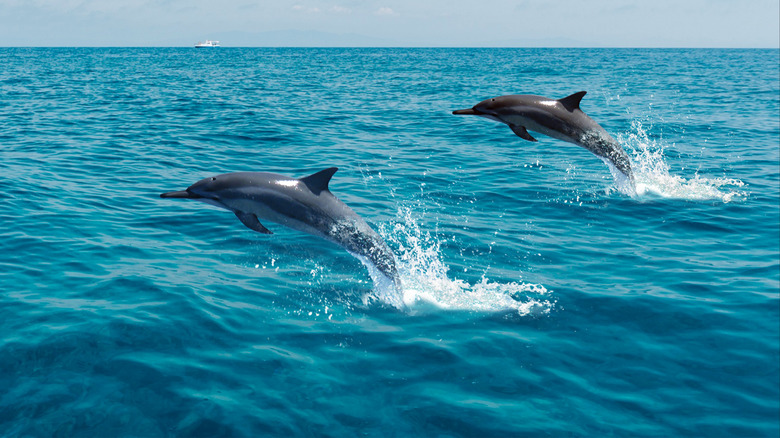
[304, 204]
[562, 119]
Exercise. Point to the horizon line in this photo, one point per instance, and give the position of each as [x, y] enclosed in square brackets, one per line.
[385, 47]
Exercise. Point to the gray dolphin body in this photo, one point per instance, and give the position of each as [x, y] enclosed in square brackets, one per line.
[562, 119]
[303, 204]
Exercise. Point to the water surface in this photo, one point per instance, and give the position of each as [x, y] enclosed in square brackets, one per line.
[543, 301]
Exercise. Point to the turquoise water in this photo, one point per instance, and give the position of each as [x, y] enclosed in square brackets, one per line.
[543, 301]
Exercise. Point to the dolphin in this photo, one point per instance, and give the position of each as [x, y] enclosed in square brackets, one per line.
[304, 204]
[562, 119]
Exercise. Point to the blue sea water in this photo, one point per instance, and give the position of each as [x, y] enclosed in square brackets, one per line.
[542, 300]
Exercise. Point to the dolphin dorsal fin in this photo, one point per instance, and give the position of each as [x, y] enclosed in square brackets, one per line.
[572, 102]
[319, 181]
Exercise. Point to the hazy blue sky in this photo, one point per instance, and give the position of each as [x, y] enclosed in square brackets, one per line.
[612, 23]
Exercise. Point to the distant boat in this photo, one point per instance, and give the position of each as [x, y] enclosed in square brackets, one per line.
[208, 43]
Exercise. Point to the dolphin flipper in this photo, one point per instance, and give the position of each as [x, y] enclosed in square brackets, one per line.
[251, 222]
[522, 132]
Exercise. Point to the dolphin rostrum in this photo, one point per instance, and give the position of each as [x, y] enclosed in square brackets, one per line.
[562, 119]
[303, 204]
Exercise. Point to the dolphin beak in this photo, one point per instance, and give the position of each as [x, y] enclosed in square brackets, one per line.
[180, 194]
[467, 112]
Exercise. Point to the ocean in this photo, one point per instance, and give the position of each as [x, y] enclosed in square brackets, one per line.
[540, 299]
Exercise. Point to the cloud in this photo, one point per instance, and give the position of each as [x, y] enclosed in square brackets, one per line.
[337, 9]
[386, 12]
[341, 10]
[308, 10]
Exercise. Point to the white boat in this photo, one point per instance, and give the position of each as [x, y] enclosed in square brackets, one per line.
[208, 43]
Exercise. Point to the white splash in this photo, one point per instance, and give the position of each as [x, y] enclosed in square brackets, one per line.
[384, 287]
[622, 182]
[426, 284]
[654, 179]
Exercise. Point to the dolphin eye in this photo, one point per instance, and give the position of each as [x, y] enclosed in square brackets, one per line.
[492, 100]
[213, 178]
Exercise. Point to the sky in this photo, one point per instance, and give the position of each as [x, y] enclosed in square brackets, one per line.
[397, 23]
